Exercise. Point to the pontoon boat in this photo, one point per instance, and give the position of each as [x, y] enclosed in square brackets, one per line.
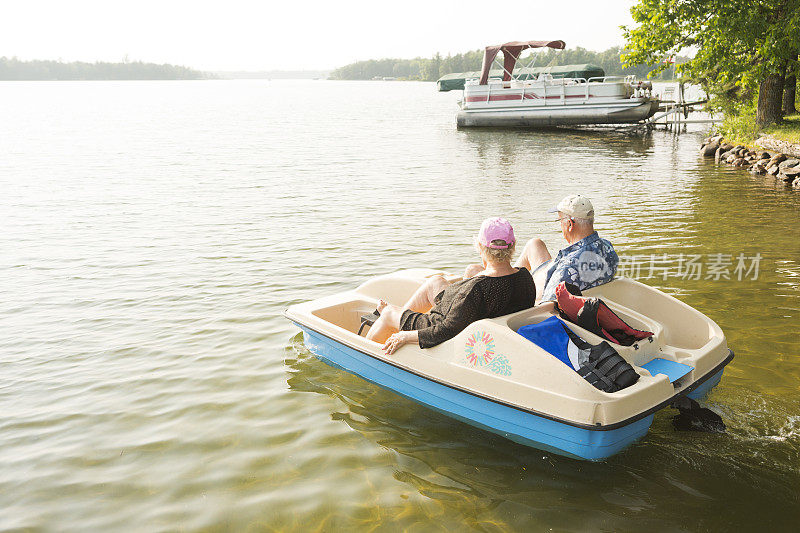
[521, 98]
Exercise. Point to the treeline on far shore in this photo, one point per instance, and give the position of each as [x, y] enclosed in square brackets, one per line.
[431, 69]
[12, 69]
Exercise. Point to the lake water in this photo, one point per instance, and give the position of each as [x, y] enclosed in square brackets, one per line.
[153, 233]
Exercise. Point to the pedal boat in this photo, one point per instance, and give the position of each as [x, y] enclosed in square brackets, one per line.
[493, 378]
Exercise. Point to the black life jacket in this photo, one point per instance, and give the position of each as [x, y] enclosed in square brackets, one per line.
[604, 368]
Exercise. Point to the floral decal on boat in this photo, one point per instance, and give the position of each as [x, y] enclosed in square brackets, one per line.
[479, 349]
[479, 352]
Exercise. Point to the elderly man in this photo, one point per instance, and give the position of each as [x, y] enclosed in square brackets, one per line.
[587, 261]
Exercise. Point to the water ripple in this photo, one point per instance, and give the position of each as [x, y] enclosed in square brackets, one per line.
[155, 231]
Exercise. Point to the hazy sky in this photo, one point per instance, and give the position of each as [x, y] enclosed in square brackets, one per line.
[304, 34]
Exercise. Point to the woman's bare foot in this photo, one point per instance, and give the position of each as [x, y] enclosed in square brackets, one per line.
[388, 322]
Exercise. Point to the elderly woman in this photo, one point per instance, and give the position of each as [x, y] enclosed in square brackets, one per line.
[440, 310]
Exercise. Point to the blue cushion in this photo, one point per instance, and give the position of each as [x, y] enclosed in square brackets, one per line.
[674, 371]
[549, 335]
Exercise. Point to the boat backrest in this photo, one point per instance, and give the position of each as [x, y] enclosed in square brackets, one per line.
[345, 314]
[681, 325]
[637, 354]
[397, 287]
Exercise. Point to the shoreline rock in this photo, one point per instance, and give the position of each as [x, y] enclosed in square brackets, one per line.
[784, 167]
[771, 143]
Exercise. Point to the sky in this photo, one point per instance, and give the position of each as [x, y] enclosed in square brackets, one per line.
[292, 34]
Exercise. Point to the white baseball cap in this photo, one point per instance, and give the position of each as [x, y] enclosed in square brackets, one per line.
[575, 206]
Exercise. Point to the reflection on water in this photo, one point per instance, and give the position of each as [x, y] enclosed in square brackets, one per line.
[155, 231]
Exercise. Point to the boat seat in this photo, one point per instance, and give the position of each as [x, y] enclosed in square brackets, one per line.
[368, 320]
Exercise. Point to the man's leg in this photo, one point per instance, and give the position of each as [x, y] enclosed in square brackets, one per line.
[534, 254]
[539, 281]
[473, 270]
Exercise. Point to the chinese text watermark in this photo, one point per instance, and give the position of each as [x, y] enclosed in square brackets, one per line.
[687, 266]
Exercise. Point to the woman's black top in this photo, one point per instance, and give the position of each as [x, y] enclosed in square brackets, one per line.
[466, 301]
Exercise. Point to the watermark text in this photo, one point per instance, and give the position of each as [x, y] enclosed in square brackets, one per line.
[691, 267]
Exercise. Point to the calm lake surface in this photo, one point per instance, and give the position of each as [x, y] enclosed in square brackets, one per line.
[154, 232]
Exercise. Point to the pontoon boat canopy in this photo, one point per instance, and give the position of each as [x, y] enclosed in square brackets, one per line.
[511, 53]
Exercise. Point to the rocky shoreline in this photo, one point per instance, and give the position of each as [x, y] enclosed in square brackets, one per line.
[782, 166]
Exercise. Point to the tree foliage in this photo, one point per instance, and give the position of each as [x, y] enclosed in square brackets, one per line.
[419, 68]
[14, 69]
[742, 47]
[431, 69]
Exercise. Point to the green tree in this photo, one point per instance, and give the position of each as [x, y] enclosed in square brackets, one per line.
[743, 47]
[790, 87]
[431, 69]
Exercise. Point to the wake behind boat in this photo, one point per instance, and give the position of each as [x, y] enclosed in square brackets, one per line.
[491, 376]
[535, 98]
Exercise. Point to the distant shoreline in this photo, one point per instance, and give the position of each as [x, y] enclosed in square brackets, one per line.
[433, 68]
[272, 74]
[12, 69]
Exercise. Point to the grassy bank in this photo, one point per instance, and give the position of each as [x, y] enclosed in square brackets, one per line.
[739, 127]
[789, 131]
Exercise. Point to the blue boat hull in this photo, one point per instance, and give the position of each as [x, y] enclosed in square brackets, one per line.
[704, 388]
[515, 424]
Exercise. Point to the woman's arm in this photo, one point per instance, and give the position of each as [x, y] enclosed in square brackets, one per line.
[461, 314]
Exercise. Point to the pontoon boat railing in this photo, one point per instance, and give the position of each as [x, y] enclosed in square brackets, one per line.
[532, 84]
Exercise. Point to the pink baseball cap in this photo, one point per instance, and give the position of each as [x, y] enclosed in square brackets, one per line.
[496, 229]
